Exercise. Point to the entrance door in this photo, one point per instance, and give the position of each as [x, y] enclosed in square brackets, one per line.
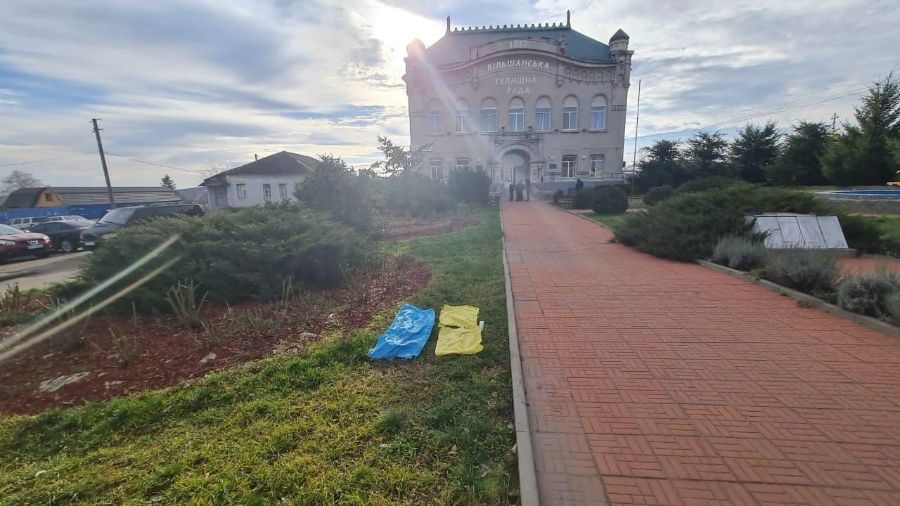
[519, 173]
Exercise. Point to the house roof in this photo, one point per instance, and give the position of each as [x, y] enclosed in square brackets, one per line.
[86, 195]
[279, 164]
[454, 46]
[23, 197]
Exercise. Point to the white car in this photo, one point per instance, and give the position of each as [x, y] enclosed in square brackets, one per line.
[27, 222]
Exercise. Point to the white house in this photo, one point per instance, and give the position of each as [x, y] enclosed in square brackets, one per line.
[269, 179]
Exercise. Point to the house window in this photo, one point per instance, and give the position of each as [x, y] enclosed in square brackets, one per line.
[48, 197]
[542, 115]
[570, 114]
[516, 115]
[435, 118]
[462, 117]
[597, 162]
[267, 192]
[489, 115]
[462, 164]
[282, 191]
[437, 169]
[598, 113]
[569, 162]
[241, 189]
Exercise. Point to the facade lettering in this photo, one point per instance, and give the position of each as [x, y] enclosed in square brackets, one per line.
[525, 63]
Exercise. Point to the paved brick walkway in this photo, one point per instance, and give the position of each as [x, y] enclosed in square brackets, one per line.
[655, 382]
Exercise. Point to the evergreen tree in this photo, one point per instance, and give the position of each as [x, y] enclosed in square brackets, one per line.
[333, 188]
[753, 150]
[799, 163]
[661, 166]
[167, 182]
[862, 154]
[705, 155]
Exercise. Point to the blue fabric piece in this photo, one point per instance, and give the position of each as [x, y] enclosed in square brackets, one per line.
[406, 336]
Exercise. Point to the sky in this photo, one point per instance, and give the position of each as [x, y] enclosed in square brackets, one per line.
[190, 88]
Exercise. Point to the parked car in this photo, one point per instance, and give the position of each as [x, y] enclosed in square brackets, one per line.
[64, 235]
[26, 223]
[117, 219]
[16, 243]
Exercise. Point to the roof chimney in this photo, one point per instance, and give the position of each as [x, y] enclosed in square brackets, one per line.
[568, 18]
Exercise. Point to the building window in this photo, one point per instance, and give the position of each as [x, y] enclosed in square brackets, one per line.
[462, 117]
[462, 164]
[597, 162]
[569, 163]
[516, 115]
[570, 113]
[489, 115]
[598, 113]
[542, 115]
[437, 169]
[267, 192]
[241, 189]
[282, 191]
[435, 118]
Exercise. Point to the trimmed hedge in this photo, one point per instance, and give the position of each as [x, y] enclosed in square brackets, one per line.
[658, 194]
[233, 255]
[688, 226]
[610, 200]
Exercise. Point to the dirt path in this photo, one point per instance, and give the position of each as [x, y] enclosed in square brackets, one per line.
[657, 382]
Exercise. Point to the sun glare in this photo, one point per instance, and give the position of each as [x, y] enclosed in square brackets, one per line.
[396, 28]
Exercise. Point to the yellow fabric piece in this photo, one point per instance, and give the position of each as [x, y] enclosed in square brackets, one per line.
[459, 331]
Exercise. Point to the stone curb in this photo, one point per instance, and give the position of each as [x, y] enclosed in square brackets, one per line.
[528, 487]
[809, 300]
[16, 274]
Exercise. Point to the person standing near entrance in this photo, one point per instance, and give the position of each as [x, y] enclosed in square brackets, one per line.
[527, 189]
[512, 188]
[520, 188]
[579, 184]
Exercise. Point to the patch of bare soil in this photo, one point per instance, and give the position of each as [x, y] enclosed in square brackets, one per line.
[398, 232]
[116, 354]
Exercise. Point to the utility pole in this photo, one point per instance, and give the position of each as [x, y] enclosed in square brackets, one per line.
[109, 193]
[637, 119]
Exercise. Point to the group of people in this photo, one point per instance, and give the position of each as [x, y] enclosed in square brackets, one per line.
[523, 187]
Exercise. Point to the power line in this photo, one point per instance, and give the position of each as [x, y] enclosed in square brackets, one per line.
[138, 160]
[43, 160]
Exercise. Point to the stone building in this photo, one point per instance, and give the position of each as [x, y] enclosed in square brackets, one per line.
[541, 102]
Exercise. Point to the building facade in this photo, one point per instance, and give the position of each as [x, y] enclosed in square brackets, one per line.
[273, 178]
[543, 103]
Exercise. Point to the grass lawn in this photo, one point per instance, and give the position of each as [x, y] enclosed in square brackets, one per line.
[610, 220]
[326, 427]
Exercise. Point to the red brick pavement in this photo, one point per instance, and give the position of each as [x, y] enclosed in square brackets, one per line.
[656, 382]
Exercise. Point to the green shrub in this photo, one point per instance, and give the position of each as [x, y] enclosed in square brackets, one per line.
[739, 253]
[706, 183]
[584, 198]
[610, 200]
[868, 294]
[470, 186]
[232, 255]
[413, 194]
[658, 194]
[892, 303]
[334, 189]
[557, 196]
[872, 234]
[687, 226]
[807, 271]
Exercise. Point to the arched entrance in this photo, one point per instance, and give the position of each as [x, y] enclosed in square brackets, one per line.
[516, 166]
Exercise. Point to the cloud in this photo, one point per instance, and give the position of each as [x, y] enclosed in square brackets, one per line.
[209, 83]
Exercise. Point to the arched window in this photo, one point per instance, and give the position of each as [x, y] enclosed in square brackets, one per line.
[462, 116]
[570, 113]
[516, 115]
[598, 113]
[434, 118]
[489, 115]
[542, 114]
[569, 165]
